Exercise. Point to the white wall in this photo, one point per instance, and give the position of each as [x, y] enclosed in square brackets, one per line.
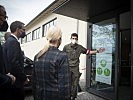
[32, 48]
[68, 25]
[82, 34]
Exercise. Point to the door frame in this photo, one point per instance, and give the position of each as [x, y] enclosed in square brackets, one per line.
[131, 48]
[88, 77]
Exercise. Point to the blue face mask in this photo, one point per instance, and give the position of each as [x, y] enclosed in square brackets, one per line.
[22, 35]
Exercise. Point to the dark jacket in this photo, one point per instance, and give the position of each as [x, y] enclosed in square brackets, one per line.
[14, 60]
[5, 81]
[51, 76]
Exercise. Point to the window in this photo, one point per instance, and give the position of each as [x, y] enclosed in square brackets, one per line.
[47, 25]
[28, 37]
[24, 40]
[102, 77]
[36, 34]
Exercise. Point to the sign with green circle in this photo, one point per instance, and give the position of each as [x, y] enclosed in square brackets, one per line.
[103, 63]
[107, 72]
[99, 71]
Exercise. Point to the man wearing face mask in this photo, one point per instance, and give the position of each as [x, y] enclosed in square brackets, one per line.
[6, 36]
[15, 59]
[73, 51]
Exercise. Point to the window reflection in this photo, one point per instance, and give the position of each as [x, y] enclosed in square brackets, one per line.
[102, 77]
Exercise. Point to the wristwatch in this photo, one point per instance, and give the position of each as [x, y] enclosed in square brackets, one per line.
[97, 51]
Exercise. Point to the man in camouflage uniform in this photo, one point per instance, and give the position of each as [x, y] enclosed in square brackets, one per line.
[73, 51]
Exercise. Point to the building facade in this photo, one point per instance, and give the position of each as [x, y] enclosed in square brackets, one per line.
[99, 23]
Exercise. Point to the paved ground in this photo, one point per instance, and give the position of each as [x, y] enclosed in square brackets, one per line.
[29, 95]
[87, 96]
[81, 96]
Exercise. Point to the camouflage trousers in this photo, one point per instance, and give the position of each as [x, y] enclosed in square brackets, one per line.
[75, 75]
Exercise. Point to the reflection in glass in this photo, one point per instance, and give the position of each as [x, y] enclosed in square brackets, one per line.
[102, 79]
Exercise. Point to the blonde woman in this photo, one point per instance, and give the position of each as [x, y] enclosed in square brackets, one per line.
[51, 74]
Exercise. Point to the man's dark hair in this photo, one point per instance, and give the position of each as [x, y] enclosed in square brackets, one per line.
[2, 7]
[74, 34]
[2, 11]
[15, 25]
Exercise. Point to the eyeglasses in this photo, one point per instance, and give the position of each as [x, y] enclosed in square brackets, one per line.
[74, 38]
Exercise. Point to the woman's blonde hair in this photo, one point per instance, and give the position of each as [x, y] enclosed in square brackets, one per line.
[54, 33]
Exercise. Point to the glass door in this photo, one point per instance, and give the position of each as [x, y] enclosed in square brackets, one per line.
[124, 81]
[103, 65]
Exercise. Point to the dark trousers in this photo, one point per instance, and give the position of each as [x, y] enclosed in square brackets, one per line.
[17, 94]
[75, 74]
[5, 94]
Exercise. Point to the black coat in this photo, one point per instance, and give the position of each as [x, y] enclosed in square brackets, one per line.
[5, 81]
[14, 61]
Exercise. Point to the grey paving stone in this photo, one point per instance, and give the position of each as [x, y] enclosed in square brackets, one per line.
[87, 96]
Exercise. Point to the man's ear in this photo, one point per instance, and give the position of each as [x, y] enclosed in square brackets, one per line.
[17, 30]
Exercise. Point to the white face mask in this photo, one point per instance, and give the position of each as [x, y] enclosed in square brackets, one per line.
[74, 41]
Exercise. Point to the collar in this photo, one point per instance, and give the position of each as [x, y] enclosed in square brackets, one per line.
[52, 47]
[15, 36]
[73, 45]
